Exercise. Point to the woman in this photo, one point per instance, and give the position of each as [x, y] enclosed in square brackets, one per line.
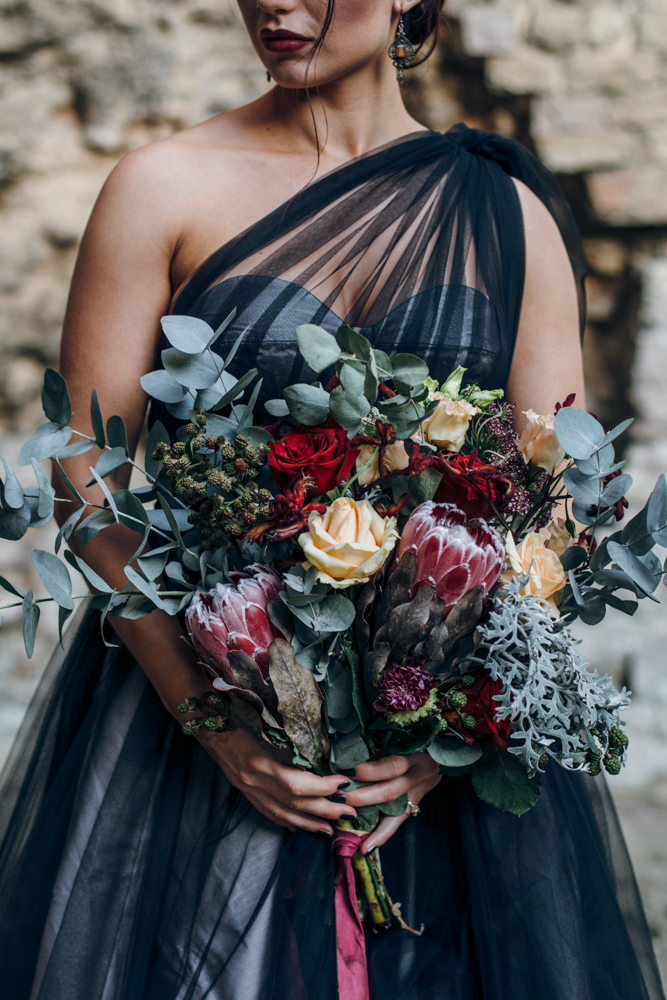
[141, 864]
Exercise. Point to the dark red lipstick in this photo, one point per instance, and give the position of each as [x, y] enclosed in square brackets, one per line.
[283, 40]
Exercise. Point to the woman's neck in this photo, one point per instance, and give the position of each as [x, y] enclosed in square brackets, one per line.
[345, 119]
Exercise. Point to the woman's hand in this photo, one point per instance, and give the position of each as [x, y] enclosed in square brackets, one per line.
[285, 795]
[395, 776]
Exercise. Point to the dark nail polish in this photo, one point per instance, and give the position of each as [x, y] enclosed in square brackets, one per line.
[351, 772]
[348, 816]
[372, 851]
[337, 797]
[323, 834]
[346, 784]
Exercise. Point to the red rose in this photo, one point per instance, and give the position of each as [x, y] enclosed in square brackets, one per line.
[482, 707]
[470, 484]
[322, 453]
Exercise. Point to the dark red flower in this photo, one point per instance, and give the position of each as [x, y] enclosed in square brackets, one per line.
[323, 454]
[404, 688]
[472, 485]
[288, 514]
[482, 707]
[452, 556]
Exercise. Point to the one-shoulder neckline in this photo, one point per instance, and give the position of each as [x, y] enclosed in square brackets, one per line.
[310, 190]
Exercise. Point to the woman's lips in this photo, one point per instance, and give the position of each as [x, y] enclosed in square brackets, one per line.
[283, 41]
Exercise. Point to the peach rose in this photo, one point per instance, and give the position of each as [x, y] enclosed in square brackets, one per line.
[546, 576]
[349, 542]
[559, 537]
[448, 424]
[395, 457]
[538, 442]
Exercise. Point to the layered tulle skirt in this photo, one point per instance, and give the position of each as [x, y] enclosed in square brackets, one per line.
[131, 870]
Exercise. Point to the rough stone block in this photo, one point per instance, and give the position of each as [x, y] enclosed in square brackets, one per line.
[557, 116]
[528, 71]
[643, 107]
[572, 154]
[487, 30]
[607, 22]
[630, 197]
[616, 70]
[606, 257]
[653, 29]
[557, 26]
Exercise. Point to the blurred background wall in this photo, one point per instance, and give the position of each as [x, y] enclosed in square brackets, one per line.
[583, 83]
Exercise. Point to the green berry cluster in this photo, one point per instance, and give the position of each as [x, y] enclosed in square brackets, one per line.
[214, 709]
[217, 478]
[612, 758]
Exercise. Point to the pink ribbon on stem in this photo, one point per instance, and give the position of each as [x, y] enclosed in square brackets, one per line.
[350, 941]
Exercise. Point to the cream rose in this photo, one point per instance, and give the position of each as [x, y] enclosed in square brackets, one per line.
[559, 537]
[546, 576]
[447, 425]
[349, 542]
[538, 442]
[395, 457]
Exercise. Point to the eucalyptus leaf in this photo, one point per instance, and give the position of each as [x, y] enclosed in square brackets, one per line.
[354, 343]
[130, 510]
[12, 495]
[630, 564]
[277, 408]
[246, 419]
[615, 490]
[93, 524]
[582, 489]
[349, 750]
[573, 556]
[30, 623]
[187, 333]
[117, 433]
[55, 398]
[96, 420]
[318, 348]
[656, 508]
[157, 433]
[383, 364]
[55, 576]
[153, 563]
[147, 587]
[68, 527]
[32, 499]
[46, 442]
[309, 404]
[79, 447]
[453, 752]
[597, 462]
[93, 578]
[11, 588]
[221, 329]
[194, 371]
[108, 462]
[233, 389]
[14, 523]
[409, 368]
[578, 432]
[160, 385]
[396, 807]
[46, 491]
[349, 408]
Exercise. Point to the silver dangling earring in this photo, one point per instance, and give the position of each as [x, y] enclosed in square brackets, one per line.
[401, 51]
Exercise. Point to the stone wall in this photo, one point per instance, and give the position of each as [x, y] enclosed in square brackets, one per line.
[583, 83]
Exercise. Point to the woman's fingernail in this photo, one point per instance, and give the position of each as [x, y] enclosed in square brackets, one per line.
[351, 772]
[348, 816]
[323, 833]
[346, 784]
[337, 797]
[374, 848]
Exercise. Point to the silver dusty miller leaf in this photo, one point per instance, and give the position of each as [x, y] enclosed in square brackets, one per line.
[549, 691]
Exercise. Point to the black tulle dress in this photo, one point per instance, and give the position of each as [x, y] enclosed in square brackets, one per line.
[130, 870]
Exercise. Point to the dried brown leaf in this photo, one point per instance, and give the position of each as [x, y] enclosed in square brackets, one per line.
[397, 588]
[299, 701]
[248, 675]
[405, 625]
[464, 617]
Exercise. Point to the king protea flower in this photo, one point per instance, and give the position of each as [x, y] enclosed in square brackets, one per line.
[234, 616]
[452, 556]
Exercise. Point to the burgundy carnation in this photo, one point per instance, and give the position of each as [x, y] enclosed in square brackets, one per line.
[404, 688]
[322, 453]
[472, 485]
[482, 707]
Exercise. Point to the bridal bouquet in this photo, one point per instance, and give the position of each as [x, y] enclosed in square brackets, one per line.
[385, 568]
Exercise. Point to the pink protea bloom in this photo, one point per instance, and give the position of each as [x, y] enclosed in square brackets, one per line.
[234, 616]
[452, 556]
[405, 688]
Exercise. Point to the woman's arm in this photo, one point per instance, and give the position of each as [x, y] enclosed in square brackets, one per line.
[121, 288]
[547, 364]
